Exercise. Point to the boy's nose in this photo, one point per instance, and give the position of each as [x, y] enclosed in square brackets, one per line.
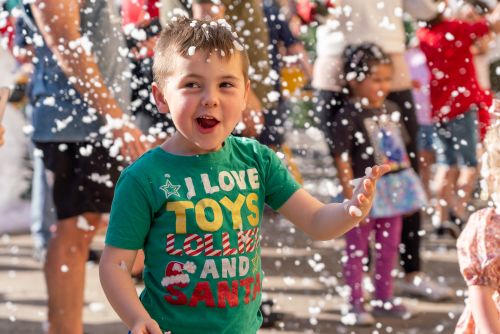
[210, 103]
[210, 99]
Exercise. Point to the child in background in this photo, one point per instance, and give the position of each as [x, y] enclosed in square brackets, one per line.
[195, 203]
[420, 76]
[479, 251]
[368, 131]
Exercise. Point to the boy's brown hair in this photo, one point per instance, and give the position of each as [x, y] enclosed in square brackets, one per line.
[182, 35]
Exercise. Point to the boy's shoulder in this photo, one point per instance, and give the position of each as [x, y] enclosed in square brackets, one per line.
[146, 160]
[243, 142]
[246, 146]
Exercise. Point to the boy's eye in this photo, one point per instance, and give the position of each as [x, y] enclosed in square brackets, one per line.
[226, 85]
[192, 85]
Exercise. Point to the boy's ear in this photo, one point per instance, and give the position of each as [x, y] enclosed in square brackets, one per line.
[160, 101]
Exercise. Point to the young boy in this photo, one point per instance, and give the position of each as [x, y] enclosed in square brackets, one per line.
[195, 203]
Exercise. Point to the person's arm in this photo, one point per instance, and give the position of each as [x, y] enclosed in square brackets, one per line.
[114, 273]
[59, 23]
[327, 221]
[484, 310]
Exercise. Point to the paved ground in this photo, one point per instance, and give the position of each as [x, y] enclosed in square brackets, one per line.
[302, 276]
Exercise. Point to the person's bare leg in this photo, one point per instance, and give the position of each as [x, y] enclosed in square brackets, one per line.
[446, 179]
[465, 187]
[65, 273]
[425, 161]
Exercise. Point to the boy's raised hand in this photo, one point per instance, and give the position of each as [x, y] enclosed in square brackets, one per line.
[147, 326]
[364, 191]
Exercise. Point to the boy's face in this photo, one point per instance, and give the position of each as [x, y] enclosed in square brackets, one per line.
[376, 86]
[206, 96]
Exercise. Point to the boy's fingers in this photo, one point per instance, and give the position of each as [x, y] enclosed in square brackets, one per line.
[368, 186]
[362, 199]
[380, 170]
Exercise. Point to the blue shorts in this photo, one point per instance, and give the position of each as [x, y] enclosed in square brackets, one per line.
[456, 140]
[425, 138]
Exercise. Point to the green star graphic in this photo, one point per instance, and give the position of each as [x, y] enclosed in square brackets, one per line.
[170, 189]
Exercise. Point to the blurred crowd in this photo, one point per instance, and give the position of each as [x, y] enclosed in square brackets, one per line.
[410, 83]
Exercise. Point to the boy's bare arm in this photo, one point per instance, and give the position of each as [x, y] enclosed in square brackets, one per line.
[114, 273]
[59, 23]
[327, 221]
[484, 311]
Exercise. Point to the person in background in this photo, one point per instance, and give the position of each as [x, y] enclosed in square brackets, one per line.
[455, 98]
[474, 11]
[369, 123]
[358, 21]
[43, 213]
[282, 44]
[420, 77]
[327, 79]
[80, 96]
[141, 25]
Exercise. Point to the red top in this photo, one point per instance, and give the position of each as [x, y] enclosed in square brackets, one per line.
[447, 47]
[133, 11]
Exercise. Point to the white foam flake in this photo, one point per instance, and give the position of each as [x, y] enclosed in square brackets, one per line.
[83, 224]
[101, 179]
[61, 124]
[86, 150]
[96, 307]
[191, 50]
[355, 211]
[49, 101]
[123, 266]
[238, 46]
[273, 96]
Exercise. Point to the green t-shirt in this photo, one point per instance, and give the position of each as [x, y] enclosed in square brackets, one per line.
[198, 220]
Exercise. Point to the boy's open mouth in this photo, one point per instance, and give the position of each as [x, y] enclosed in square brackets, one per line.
[207, 122]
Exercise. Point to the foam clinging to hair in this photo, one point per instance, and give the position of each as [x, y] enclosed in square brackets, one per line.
[183, 37]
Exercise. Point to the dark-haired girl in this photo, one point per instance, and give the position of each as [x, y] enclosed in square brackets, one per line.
[368, 130]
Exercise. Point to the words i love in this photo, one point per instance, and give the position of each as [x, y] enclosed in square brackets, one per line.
[227, 181]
